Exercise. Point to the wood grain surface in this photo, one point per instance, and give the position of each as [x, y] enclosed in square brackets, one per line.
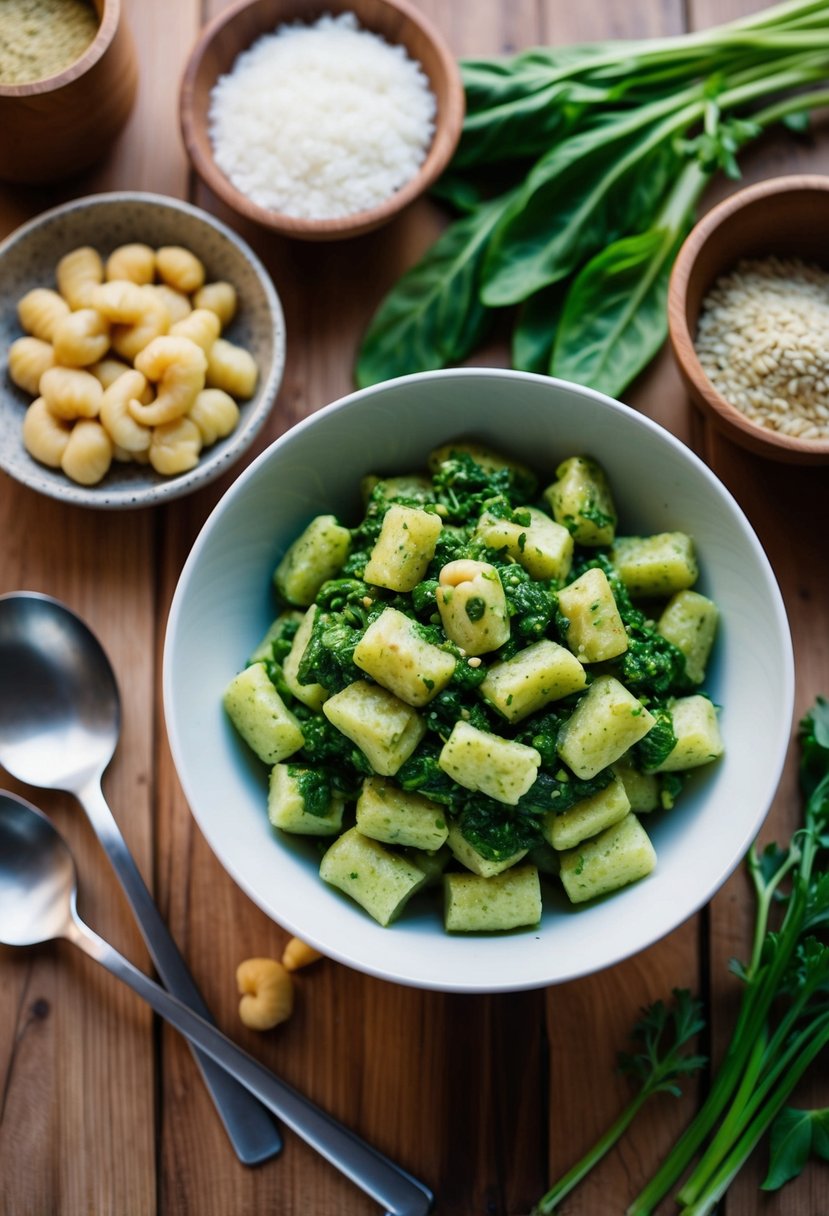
[102, 1112]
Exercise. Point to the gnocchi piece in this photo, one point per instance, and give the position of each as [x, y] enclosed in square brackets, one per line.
[532, 678]
[617, 857]
[595, 631]
[128, 435]
[606, 723]
[471, 859]
[40, 311]
[200, 325]
[314, 694]
[120, 300]
[393, 653]
[219, 297]
[483, 905]
[151, 320]
[78, 273]
[178, 366]
[400, 817]
[215, 413]
[261, 716]
[81, 338]
[134, 262]
[29, 358]
[267, 993]
[543, 547]
[656, 565]
[580, 499]
[472, 606]
[232, 368]
[316, 555]
[176, 302]
[88, 454]
[175, 446]
[179, 268]
[404, 548]
[689, 621]
[290, 810]
[107, 371]
[44, 436]
[379, 880]
[385, 729]
[480, 761]
[71, 392]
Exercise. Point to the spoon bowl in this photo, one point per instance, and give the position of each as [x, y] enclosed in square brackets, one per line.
[60, 718]
[60, 713]
[37, 904]
[37, 876]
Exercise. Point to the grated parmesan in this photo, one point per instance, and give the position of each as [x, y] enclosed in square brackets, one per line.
[321, 121]
[763, 342]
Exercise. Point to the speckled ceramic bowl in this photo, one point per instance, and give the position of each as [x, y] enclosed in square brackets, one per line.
[28, 259]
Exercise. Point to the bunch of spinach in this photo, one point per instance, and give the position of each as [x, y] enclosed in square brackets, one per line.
[576, 180]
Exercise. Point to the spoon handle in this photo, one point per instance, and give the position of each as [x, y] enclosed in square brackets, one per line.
[397, 1191]
[251, 1130]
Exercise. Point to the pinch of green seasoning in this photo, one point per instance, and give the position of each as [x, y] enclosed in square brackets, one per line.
[39, 38]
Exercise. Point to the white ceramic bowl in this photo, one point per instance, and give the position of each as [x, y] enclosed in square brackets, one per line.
[223, 605]
[28, 258]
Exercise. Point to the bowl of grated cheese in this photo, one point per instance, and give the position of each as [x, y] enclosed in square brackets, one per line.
[320, 121]
[748, 310]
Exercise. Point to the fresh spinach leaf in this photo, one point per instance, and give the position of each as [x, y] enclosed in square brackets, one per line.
[535, 329]
[796, 1135]
[615, 318]
[433, 316]
[588, 191]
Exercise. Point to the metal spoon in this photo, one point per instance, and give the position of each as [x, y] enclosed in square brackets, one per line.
[38, 904]
[59, 724]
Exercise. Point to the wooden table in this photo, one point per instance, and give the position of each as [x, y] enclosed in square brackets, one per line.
[485, 1098]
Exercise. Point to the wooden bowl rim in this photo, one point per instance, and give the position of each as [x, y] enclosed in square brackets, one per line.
[731, 420]
[107, 29]
[446, 135]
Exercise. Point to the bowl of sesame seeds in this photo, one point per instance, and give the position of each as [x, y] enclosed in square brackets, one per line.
[748, 311]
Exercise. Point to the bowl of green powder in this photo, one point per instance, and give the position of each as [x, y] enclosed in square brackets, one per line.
[68, 76]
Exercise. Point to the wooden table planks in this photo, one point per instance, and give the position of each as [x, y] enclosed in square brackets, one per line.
[486, 1098]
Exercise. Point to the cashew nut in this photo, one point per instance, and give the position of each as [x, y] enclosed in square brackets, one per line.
[44, 436]
[267, 993]
[149, 318]
[124, 431]
[175, 447]
[178, 366]
[298, 953]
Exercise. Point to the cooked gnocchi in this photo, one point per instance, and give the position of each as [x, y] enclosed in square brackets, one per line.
[132, 346]
[479, 695]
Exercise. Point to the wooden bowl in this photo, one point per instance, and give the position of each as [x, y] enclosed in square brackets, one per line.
[234, 30]
[785, 216]
[52, 128]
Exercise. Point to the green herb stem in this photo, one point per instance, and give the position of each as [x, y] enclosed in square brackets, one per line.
[548, 1202]
[715, 1188]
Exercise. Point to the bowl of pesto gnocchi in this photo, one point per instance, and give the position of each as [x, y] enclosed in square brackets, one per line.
[142, 345]
[499, 684]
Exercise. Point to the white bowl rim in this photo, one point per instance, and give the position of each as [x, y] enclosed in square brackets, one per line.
[103, 497]
[401, 974]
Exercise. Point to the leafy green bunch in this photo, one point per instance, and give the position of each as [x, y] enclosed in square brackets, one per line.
[781, 1029]
[574, 184]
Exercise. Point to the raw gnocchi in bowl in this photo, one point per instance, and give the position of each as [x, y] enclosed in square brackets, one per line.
[659, 488]
[142, 346]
